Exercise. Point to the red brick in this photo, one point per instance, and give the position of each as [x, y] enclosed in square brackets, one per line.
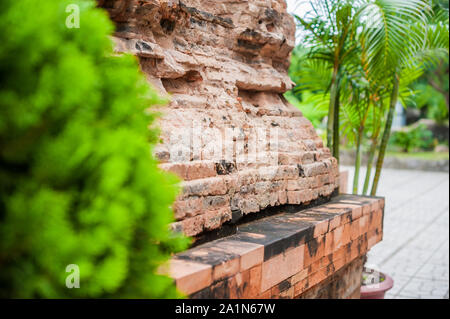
[382, 203]
[375, 219]
[206, 186]
[326, 190]
[265, 295]
[319, 264]
[324, 179]
[295, 185]
[201, 170]
[339, 263]
[334, 223]
[329, 243]
[250, 254]
[245, 284]
[194, 225]
[314, 250]
[346, 234]
[254, 285]
[189, 207]
[293, 197]
[348, 251]
[276, 292]
[357, 212]
[317, 277]
[231, 182]
[380, 236]
[287, 294]
[339, 253]
[189, 276]
[287, 172]
[298, 197]
[321, 228]
[236, 283]
[364, 244]
[214, 202]
[319, 142]
[355, 250]
[355, 206]
[314, 169]
[282, 197]
[376, 204]
[367, 209]
[372, 241]
[300, 287]
[337, 238]
[299, 276]
[364, 224]
[226, 269]
[192, 170]
[215, 218]
[281, 267]
[355, 230]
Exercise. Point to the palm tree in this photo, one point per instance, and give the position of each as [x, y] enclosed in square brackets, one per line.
[363, 53]
[400, 40]
[330, 27]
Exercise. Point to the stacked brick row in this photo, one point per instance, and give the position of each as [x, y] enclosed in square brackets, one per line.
[208, 202]
[224, 65]
[291, 255]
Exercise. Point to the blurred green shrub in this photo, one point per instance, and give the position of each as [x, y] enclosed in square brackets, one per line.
[430, 102]
[78, 184]
[412, 138]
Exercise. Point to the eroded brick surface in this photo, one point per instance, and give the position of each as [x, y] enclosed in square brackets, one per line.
[228, 130]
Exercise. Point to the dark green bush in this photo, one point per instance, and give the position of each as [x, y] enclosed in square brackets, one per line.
[78, 184]
[412, 138]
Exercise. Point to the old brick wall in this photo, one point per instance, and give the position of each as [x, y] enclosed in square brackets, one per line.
[228, 132]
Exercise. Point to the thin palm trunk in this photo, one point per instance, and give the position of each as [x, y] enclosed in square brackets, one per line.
[386, 134]
[357, 161]
[372, 151]
[336, 133]
[373, 146]
[332, 109]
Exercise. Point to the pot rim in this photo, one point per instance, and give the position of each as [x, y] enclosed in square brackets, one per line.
[383, 286]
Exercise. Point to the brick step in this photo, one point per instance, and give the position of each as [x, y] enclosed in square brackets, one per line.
[286, 255]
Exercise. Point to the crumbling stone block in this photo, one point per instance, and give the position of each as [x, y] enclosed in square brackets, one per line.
[228, 132]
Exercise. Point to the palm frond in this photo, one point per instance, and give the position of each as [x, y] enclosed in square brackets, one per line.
[387, 32]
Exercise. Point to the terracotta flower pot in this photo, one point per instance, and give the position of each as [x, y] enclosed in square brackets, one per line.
[375, 284]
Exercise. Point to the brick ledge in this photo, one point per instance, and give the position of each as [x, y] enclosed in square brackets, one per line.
[283, 255]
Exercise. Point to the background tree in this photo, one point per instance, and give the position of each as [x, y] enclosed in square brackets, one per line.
[330, 29]
[401, 39]
[78, 184]
[390, 45]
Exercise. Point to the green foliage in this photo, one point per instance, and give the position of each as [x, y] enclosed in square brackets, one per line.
[388, 33]
[413, 138]
[330, 28]
[78, 184]
[366, 55]
[431, 101]
[431, 90]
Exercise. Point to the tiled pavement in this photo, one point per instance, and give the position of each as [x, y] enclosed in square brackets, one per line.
[415, 248]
